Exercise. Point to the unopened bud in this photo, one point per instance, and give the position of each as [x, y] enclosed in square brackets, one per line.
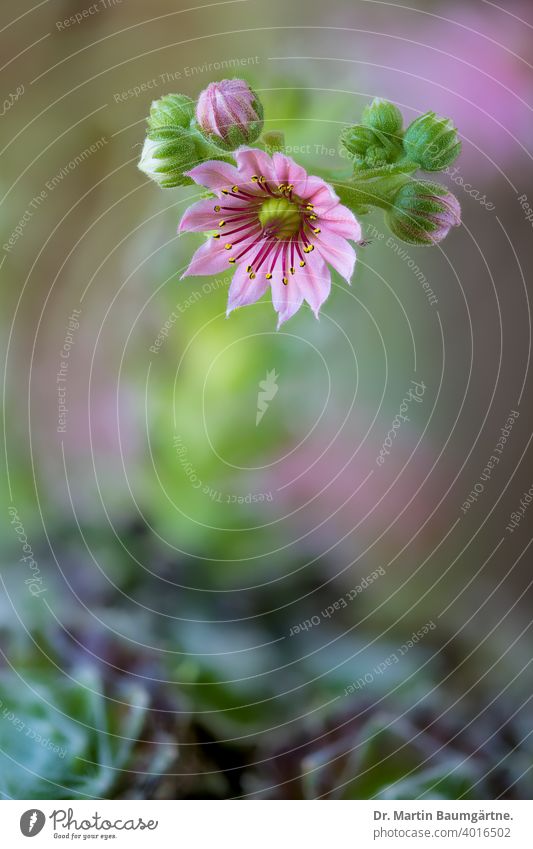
[229, 114]
[172, 110]
[432, 142]
[166, 154]
[370, 148]
[423, 213]
[384, 116]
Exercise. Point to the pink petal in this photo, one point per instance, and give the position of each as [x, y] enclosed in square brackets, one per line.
[337, 251]
[214, 175]
[287, 299]
[222, 116]
[254, 162]
[314, 281]
[200, 217]
[341, 220]
[293, 307]
[320, 194]
[210, 258]
[287, 171]
[205, 111]
[243, 291]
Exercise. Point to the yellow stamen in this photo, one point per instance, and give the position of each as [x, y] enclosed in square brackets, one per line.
[285, 280]
[217, 209]
[252, 276]
[231, 259]
[268, 276]
[254, 179]
[302, 263]
[228, 246]
[216, 235]
[249, 268]
[316, 230]
[235, 189]
[221, 223]
[291, 269]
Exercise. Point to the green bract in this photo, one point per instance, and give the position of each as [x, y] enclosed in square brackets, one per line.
[368, 148]
[167, 153]
[432, 142]
[172, 110]
[367, 144]
[383, 116]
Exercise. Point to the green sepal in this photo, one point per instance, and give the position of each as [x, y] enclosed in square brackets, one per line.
[432, 142]
[174, 110]
[384, 116]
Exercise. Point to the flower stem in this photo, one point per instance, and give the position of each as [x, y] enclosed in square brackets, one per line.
[361, 194]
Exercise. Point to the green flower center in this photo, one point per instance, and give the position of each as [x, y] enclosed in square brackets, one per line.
[281, 216]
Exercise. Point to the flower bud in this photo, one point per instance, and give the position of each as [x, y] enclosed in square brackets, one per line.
[172, 110]
[383, 116]
[369, 147]
[229, 114]
[365, 147]
[167, 153]
[357, 139]
[423, 213]
[432, 142]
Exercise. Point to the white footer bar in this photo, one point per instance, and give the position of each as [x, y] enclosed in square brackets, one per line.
[267, 825]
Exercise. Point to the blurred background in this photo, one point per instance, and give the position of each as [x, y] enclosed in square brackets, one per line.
[197, 605]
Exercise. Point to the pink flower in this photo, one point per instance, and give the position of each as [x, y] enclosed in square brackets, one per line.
[279, 226]
[229, 114]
